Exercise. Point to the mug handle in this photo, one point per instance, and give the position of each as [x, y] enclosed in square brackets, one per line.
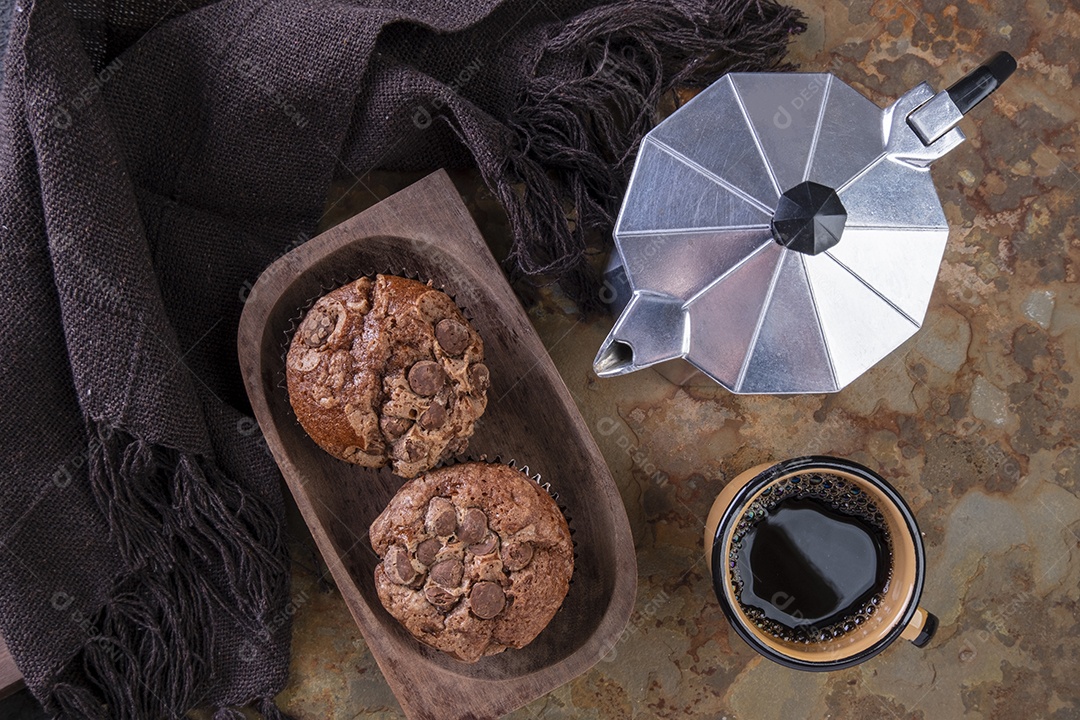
[921, 629]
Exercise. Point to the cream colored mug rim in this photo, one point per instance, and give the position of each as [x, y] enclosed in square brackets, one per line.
[737, 504]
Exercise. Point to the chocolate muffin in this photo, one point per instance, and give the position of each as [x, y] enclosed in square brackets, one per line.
[387, 371]
[476, 558]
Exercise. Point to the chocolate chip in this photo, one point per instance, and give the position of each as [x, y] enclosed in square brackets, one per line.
[479, 377]
[516, 555]
[473, 526]
[447, 572]
[413, 451]
[427, 550]
[452, 336]
[486, 546]
[395, 427]
[318, 326]
[357, 456]
[426, 378]
[440, 598]
[397, 565]
[441, 517]
[486, 600]
[434, 417]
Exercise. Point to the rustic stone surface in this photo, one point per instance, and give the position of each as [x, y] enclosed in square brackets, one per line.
[972, 419]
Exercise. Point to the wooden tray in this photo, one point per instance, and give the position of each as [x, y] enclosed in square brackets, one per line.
[425, 231]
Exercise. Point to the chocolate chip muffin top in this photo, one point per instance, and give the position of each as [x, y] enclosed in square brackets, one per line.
[387, 371]
[476, 558]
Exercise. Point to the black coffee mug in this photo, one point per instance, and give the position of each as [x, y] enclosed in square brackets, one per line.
[896, 612]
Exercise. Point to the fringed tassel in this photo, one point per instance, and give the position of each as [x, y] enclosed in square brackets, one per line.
[70, 701]
[196, 547]
[229, 529]
[270, 711]
[593, 94]
[264, 706]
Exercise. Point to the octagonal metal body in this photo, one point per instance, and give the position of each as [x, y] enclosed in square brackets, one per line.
[708, 283]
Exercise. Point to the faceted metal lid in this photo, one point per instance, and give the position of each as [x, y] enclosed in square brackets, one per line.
[781, 233]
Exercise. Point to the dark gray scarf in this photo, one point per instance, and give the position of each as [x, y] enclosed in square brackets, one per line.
[154, 158]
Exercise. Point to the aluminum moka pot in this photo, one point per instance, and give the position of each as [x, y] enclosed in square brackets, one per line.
[781, 233]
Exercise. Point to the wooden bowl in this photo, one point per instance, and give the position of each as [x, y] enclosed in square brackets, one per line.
[426, 232]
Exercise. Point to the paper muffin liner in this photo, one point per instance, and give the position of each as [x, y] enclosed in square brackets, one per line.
[327, 286]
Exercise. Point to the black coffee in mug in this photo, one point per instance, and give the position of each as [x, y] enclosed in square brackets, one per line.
[811, 558]
[817, 562]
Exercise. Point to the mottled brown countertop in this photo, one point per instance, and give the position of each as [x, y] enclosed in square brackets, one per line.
[973, 420]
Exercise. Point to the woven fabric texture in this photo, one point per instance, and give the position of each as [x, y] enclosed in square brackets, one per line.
[155, 156]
